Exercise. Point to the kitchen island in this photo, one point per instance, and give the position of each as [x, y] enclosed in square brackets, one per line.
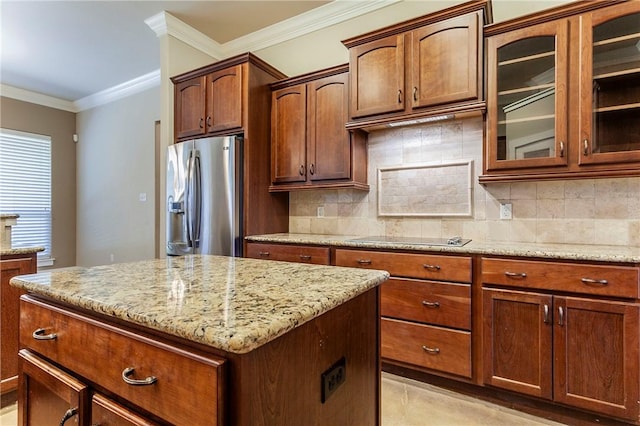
[202, 340]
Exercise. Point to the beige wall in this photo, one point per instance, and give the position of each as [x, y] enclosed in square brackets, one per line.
[585, 211]
[60, 126]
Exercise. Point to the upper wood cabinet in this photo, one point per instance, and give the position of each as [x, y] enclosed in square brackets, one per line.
[563, 94]
[209, 103]
[310, 146]
[420, 68]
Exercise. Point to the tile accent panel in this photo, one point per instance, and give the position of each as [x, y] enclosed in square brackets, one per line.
[585, 211]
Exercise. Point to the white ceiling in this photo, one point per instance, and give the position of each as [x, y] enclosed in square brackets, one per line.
[73, 49]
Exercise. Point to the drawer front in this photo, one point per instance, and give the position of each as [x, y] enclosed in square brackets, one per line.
[427, 346]
[426, 266]
[605, 280]
[100, 353]
[289, 253]
[432, 302]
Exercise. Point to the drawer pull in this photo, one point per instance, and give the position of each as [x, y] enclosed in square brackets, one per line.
[560, 315]
[431, 267]
[135, 382]
[546, 314]
[431, 304]
[432, 351]
[592, 281]
[264, 254]
[364, 261]
[39, 335]
[515, 274]
[68, 414]
[305, 257]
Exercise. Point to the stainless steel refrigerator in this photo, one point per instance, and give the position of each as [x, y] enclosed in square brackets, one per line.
[204, 197]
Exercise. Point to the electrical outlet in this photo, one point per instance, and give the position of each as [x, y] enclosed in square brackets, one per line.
[321, 211]
[142, 197]
[506, 211]
[333, 378]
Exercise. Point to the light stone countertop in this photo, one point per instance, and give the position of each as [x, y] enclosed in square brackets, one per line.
[232, 304]
[596, 253]
[23, 250]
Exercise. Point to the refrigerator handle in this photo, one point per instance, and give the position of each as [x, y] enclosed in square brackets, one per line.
[192, 199]
[197, 208]
[187, 200]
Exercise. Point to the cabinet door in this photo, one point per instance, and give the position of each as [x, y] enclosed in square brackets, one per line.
[224, 99]
[596, 355]
[288, 134]
[49, 396]
[445, 61]
[190, 108]
[10, 319]
[377, 76]
[610, 85]
[329, 143]
[527, 97]
[105, 412]
[517, 339]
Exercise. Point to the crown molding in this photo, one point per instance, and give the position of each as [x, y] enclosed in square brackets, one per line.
[120, 91]
[36, 98]
[316, 19]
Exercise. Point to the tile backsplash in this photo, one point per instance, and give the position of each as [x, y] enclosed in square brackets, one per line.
[585, 211]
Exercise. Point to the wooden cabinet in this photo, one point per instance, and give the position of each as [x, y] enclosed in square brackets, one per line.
[209, 103]
[563, 95]
[426, 314]
[420, 68]
[140, 372]
[10, 266]
[289, 253]
[576, 350]
[310, 147]
[232, 97]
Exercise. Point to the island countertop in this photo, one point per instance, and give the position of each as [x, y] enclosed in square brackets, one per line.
[232, 304]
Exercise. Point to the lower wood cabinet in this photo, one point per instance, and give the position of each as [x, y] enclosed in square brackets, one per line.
[573, 349]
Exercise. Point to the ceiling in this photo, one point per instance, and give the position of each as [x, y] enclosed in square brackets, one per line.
[73, 49]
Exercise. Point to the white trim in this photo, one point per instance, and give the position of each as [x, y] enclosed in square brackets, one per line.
[120, 91]
[36, 98]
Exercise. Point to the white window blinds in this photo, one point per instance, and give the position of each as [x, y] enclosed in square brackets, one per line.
[25, 189]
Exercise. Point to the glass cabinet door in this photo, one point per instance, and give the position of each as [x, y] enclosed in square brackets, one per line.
[527, 90]
[610, 87]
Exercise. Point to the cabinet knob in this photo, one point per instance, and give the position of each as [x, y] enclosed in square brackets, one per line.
[546, 314]
[301, 169]
[68, 414]
[399, 96]
[516, 275]
[201, 124]
[39, 335]
[592, 281]
[364, 261]
[305, 257]
[560, 315]
[431, 304]
[312, 168]
[585, 147]
[415, 94]
[431, 267]
[432, 351]
[264, 254]
[209, 121]
[137, 382]
[561, 149]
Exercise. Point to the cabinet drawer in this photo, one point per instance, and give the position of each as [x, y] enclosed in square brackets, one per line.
[427, 301]
[427, 346]
[100, 353]
[426, 266]
[605, 280]
[289, 253]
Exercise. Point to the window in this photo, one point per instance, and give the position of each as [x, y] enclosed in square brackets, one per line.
[25, 189]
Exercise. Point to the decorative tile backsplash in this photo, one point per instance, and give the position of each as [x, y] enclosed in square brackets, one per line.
[585, 211]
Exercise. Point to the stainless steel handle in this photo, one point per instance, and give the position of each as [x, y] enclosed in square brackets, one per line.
[592, 281]
[431, 267]
[197, 214]
[585, 147]
[546, 314]
[515, 274]
[399, 96]
[364, 261]
[312, 168]
[305, 257]
[264, 254]
[415, 94]
[431, 304]
[68, 414]
[137, 382]
[560, 315]
[193, 199]
[39, 335]
[301, 169]
[561, 149]
[432, 351]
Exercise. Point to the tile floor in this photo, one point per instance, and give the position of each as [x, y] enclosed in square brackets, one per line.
[407, 402]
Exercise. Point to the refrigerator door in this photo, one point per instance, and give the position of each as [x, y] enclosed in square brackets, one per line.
[177, 159]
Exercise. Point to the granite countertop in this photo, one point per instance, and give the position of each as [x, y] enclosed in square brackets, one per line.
[21, 250]
[620, 254]
[232, 304]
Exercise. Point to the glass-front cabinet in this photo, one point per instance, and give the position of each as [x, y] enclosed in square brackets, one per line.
[527, 104]
[563, 94]
[610, 85]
